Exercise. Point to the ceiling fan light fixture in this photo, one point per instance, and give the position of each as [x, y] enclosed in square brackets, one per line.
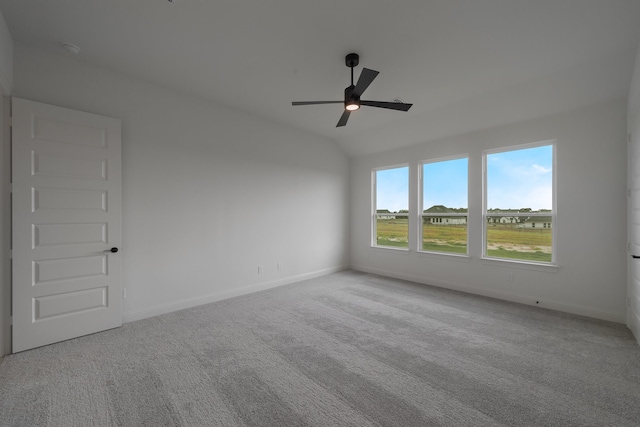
[352, 105]
[351, 100]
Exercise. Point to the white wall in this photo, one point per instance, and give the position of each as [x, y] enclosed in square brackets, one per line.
[209, 193]
[6, 83]
[591, 216]
[6, 57]
[633, 123]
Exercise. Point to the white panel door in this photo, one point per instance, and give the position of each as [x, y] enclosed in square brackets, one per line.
[66, 209]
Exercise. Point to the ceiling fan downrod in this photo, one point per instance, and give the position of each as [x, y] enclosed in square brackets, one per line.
[351, 99]
[352, 60]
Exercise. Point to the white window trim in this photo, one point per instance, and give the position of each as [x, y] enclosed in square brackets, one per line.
[553, 214]
[374, 214]
[421, 214]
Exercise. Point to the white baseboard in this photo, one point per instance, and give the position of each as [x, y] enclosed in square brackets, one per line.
[219, 296]
[507, 296]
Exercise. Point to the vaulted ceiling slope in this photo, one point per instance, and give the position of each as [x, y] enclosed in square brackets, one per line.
[464, 64]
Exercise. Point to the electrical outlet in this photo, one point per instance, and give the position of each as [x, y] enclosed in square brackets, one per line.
[260, 269]
[279, 266]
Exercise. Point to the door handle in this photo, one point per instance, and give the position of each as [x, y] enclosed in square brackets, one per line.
[112, 250]
[635, 256]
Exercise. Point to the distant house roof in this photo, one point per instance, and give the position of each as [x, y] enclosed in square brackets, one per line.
[383, 211]
[508, 211]
[516, 211]
[440, 209]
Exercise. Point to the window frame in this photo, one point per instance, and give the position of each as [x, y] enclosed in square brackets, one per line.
[375, 214]
[422, 215]
[552, 214]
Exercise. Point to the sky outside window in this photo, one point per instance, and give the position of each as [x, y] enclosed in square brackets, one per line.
[445, 183]
[515, 179]
[392, 189]
[520, 179]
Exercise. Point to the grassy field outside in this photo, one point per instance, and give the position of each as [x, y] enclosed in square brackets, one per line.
[393, 232]
[444, 238]
[527, 244]
[503, 240]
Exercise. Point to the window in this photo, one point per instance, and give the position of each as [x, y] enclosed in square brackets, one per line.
[444, 206]
[390, 220]
[519, 184]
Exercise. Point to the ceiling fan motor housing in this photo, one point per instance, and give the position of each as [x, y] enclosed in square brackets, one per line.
[351, 99]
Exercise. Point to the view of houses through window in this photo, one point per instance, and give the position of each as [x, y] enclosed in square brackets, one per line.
[518, 213]
[444, 206]
[391, 216]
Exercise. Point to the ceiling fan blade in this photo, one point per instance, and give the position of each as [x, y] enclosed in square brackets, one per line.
[343, 118]
[316, 102]
[366, 77]
[390, 105]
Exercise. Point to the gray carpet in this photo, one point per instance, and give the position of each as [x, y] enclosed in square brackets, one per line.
[349, 349]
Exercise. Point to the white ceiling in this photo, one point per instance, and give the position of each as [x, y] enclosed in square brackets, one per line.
[464, 64]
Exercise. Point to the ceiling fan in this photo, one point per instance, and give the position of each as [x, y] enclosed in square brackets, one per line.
[352, 94]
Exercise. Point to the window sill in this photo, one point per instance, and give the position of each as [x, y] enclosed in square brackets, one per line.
[447, 256]
[391, 248]
[550, 268]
